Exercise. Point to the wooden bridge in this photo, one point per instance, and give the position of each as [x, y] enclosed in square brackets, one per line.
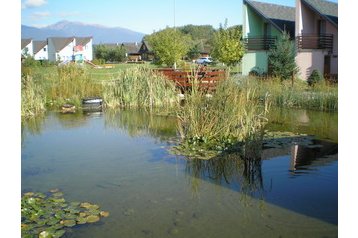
[207, 80]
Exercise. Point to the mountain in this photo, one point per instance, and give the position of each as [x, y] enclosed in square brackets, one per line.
[100, 34]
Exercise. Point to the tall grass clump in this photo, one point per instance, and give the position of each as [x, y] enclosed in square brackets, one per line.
[139, 87]
[33, 97]
[212, 123]
[321, 96]
[71, 84]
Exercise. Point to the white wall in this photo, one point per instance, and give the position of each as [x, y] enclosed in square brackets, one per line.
[88, 51]
[42, 54]
[30, 49]
[66, 53]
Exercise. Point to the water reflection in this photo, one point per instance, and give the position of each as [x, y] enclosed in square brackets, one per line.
[321, 124]
[142, 123]
[266, 177]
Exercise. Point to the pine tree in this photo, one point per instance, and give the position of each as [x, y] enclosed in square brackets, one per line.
[282, 62]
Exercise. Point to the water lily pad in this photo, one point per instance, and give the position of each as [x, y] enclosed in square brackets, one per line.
[58, 233]
[45, 234]
[85, 205]
[58, 194]
[92, 218]
[104, 214]
[81, 220]
[69, 223]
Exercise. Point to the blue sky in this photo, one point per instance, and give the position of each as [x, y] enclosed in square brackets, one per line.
[139, 15]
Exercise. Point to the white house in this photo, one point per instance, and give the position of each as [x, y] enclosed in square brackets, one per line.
[27, 47]
[40, 50]
[69, 48]
[83, 49]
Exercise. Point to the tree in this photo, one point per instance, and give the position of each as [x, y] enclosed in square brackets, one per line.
[281, 59]
[169, 46]
[227, 45]
[194, 52]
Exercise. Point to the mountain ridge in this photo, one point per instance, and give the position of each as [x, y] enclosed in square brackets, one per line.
[100, 33]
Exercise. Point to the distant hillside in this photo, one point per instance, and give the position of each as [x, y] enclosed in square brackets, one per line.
[100, 34]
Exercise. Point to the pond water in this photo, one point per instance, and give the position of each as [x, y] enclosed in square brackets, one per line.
[120, 161]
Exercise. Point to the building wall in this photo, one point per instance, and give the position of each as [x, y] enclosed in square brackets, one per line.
[66, 53]
[254, 59]
[42, 54]
[253, 26]
[88, 51]
[308, 60]
[51, 50]
[30, 49]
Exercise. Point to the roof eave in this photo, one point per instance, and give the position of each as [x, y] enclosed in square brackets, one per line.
[319, 13]
[263, 16]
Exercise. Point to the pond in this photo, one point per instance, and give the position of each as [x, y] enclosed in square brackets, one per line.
[121, 161]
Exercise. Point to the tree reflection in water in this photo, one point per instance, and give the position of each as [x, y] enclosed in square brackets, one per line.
[232, 170]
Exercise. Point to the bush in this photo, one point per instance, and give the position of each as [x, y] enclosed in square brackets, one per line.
[314, 78]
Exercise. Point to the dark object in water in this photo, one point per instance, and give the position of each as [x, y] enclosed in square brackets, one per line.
[68, 108]
[92, 104]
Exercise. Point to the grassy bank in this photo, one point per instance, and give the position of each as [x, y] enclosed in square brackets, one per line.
[322, 96]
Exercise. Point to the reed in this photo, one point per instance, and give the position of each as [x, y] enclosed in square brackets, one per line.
[33, 98]
[322, 96]
[216, 122]
[70, 85]
[139, 87]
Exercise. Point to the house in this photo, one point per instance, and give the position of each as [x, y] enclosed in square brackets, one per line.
[69, 48]
[27, 48]
[132, 51]
[146, 51]
[263, 24]
[317, 37]
[61, 48]
[40, 50]
[83, 49]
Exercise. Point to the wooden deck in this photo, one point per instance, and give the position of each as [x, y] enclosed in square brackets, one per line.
[206, 79]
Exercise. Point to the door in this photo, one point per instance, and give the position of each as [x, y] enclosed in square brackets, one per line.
[327, 66]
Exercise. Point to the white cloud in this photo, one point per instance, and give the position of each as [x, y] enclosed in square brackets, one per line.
[41, 14]
[33, 3]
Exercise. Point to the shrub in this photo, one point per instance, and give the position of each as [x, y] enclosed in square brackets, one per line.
[314, 78]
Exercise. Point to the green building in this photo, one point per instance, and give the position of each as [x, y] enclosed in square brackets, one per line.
[263, 24]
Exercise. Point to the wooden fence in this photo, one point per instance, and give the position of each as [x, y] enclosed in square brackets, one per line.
[206, 79]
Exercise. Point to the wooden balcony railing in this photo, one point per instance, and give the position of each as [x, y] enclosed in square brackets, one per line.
[310, 41]
[259, 43]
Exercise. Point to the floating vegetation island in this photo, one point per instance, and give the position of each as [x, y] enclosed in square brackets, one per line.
[50, 215]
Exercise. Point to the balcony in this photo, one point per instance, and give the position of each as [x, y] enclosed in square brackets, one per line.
[311, 41]
[259, 43]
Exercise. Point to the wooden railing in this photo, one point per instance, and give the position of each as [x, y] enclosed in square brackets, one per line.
[259, 43]
[311, 41]
[206, 80]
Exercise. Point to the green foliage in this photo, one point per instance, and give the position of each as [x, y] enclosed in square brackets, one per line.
[194, 52]
[32, 97]
[110, 54]
[51, 215]
[211, 124]
[281, 59]
[227, 46]
[139, 87]
[314, 78]
[70, 85]
[169, 46]
[283, 94]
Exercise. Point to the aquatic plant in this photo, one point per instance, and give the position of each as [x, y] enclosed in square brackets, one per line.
[70, 85]
[50, 215]
[138, 88]
[210, 124]
[32, 97]
[323, 97]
